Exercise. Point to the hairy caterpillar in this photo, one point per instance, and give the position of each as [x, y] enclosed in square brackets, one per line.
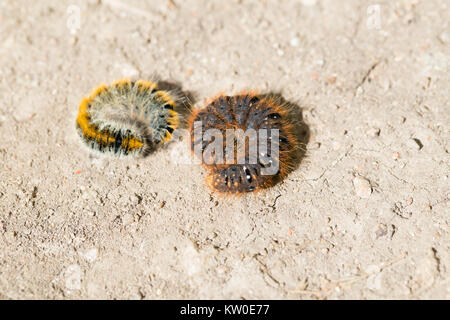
[258, 117]
[127, 118]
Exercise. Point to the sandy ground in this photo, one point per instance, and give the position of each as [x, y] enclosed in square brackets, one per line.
[365, 215]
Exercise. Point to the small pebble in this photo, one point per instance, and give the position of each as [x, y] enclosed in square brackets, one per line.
[221, 269]
[373, 132]
[415, 144]
[73, 277]
[91, 254]
[295, 42]
[128, 70]
[359, 91]
[444, 37]
[127, 219]
[381, 231]
[401, 119]
[362, 187]
[396, 156]
[336, 145]
[309, 3]
[331, 80]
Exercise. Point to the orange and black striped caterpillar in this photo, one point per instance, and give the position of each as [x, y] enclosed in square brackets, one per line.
[127, 118]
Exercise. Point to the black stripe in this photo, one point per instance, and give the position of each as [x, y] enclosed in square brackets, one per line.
[118, 142]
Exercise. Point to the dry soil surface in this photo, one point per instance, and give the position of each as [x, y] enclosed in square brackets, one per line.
[365, 215]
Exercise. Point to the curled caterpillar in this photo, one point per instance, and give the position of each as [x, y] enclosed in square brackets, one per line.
[246, 142]
[127, 118]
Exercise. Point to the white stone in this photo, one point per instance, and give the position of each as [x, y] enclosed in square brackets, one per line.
[309, 3]
[374, 280]
[444, 37]
[73, 277]
[295, 42]
[127, 219]
[362, 187]
[191, 260]
[91, 254]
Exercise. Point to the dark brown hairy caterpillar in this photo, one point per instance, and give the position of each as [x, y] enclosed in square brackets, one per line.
[252, 113]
